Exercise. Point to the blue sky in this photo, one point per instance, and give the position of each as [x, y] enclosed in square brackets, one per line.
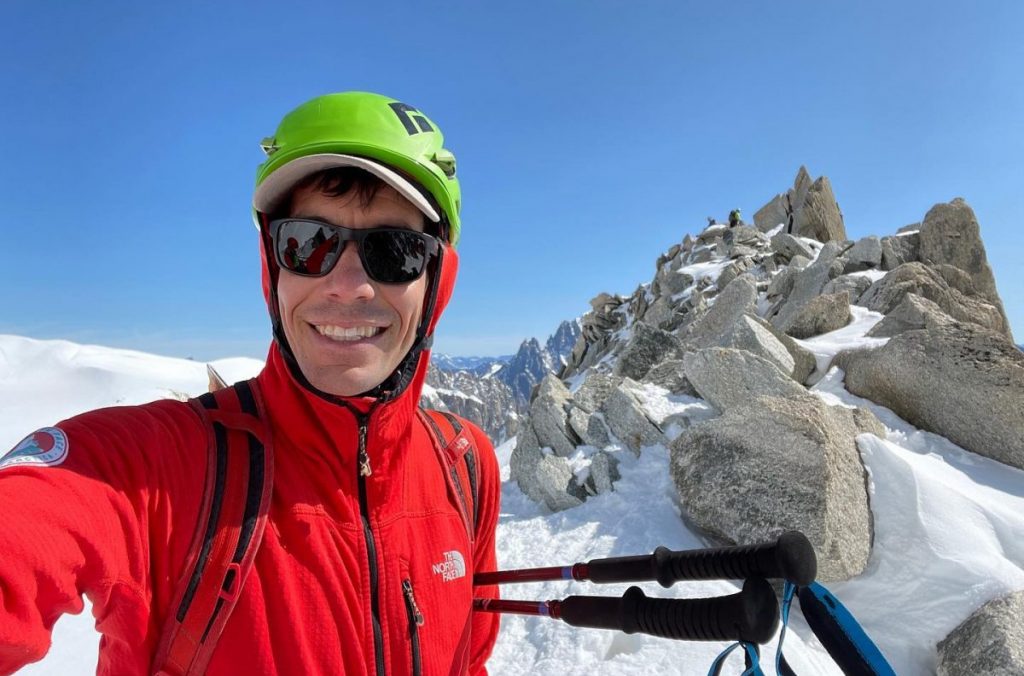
[591, 136]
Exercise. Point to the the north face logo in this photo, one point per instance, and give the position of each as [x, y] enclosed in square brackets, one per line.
[452, 568]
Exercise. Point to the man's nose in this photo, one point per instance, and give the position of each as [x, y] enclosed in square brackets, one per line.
[348, 280]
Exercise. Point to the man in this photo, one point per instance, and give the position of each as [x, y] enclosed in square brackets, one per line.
[366, 561]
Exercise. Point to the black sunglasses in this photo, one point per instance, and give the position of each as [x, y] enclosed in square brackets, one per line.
[389, 255]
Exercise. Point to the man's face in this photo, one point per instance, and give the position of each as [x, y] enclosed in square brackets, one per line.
[317, 312]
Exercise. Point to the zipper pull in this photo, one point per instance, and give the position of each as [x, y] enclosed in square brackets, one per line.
[364, 457]
[417, 616]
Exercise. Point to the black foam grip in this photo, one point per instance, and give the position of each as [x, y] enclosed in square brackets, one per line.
[750, 615]
[791, 557]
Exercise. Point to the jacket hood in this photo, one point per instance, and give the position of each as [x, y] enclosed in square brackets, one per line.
[406, 382]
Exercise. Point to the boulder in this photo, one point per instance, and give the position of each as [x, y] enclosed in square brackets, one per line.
[772, 214]
[885, 294]
[738, 298]
[773, 464]
[670, 281]
[782, 283]
[900, 249]
[589, 427]
[544, 478]
[956, 278]
[670, 375]
[662, 314]
[864, 255]
[702, 255]
[671, 255]
[855, 285]
[734, 270]
[727, 377]
[603, 472]
[801, 186]
[746, 235]
[804, 361]
[549, 416]
[911, 314]
[626, 418]
[950, 235]
[594, 390]
[990, 641]
[789, 246]
[821, 314]
[809, 284]
[751, 335]
[646, 347]
[960, 381]
[819, 216]
[732, 322]
[712, 234]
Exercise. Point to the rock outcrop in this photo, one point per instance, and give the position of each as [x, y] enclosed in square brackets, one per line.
[950, 235]
[808, 209]
[929, 283]
[772, 464]
[957, 380]
[495, 392]
[722, 320]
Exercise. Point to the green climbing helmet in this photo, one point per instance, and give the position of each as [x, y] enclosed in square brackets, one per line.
[386, 137]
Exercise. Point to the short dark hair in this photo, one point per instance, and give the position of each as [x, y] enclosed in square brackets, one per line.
[341, 181]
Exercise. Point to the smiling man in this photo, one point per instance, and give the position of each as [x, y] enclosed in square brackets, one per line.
[313, 519]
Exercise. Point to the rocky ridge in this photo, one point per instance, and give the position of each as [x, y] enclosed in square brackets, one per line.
[709, 359]
[495, 392]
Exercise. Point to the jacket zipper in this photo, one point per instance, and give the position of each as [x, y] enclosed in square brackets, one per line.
[371, 548]
[415, 622]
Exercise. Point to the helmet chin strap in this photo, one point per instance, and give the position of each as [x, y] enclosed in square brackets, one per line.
[400, 378]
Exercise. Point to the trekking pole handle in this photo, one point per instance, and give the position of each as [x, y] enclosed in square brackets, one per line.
[791, 557]
[749, 615]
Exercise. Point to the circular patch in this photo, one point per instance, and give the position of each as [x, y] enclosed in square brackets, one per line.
[46, 447]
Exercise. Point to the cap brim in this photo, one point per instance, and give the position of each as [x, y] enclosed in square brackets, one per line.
[275, 188]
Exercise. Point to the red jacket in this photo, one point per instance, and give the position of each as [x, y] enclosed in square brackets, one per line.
[116, 518]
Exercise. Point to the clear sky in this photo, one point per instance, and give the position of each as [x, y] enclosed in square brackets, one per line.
[591, 136]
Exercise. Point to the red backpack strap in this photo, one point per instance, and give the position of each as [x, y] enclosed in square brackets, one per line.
[458, 452]
[236, 500]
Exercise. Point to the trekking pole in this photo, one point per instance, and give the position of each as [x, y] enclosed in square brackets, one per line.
[791, 557]
[750, 615]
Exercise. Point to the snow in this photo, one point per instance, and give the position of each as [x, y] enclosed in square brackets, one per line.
[828, 345]
[872, 274]
[948, 524]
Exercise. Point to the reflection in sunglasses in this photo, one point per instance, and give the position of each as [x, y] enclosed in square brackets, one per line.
[316, 259]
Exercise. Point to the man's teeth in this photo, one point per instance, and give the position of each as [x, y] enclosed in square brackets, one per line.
[349, 333]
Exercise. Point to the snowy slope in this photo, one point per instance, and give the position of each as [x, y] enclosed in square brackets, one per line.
[949, 525]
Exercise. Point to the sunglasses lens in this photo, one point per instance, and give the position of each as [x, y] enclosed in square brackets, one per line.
[307, 247]
[395, 256]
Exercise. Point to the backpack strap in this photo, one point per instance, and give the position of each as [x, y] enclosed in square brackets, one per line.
[457, 448]
[239, 478]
